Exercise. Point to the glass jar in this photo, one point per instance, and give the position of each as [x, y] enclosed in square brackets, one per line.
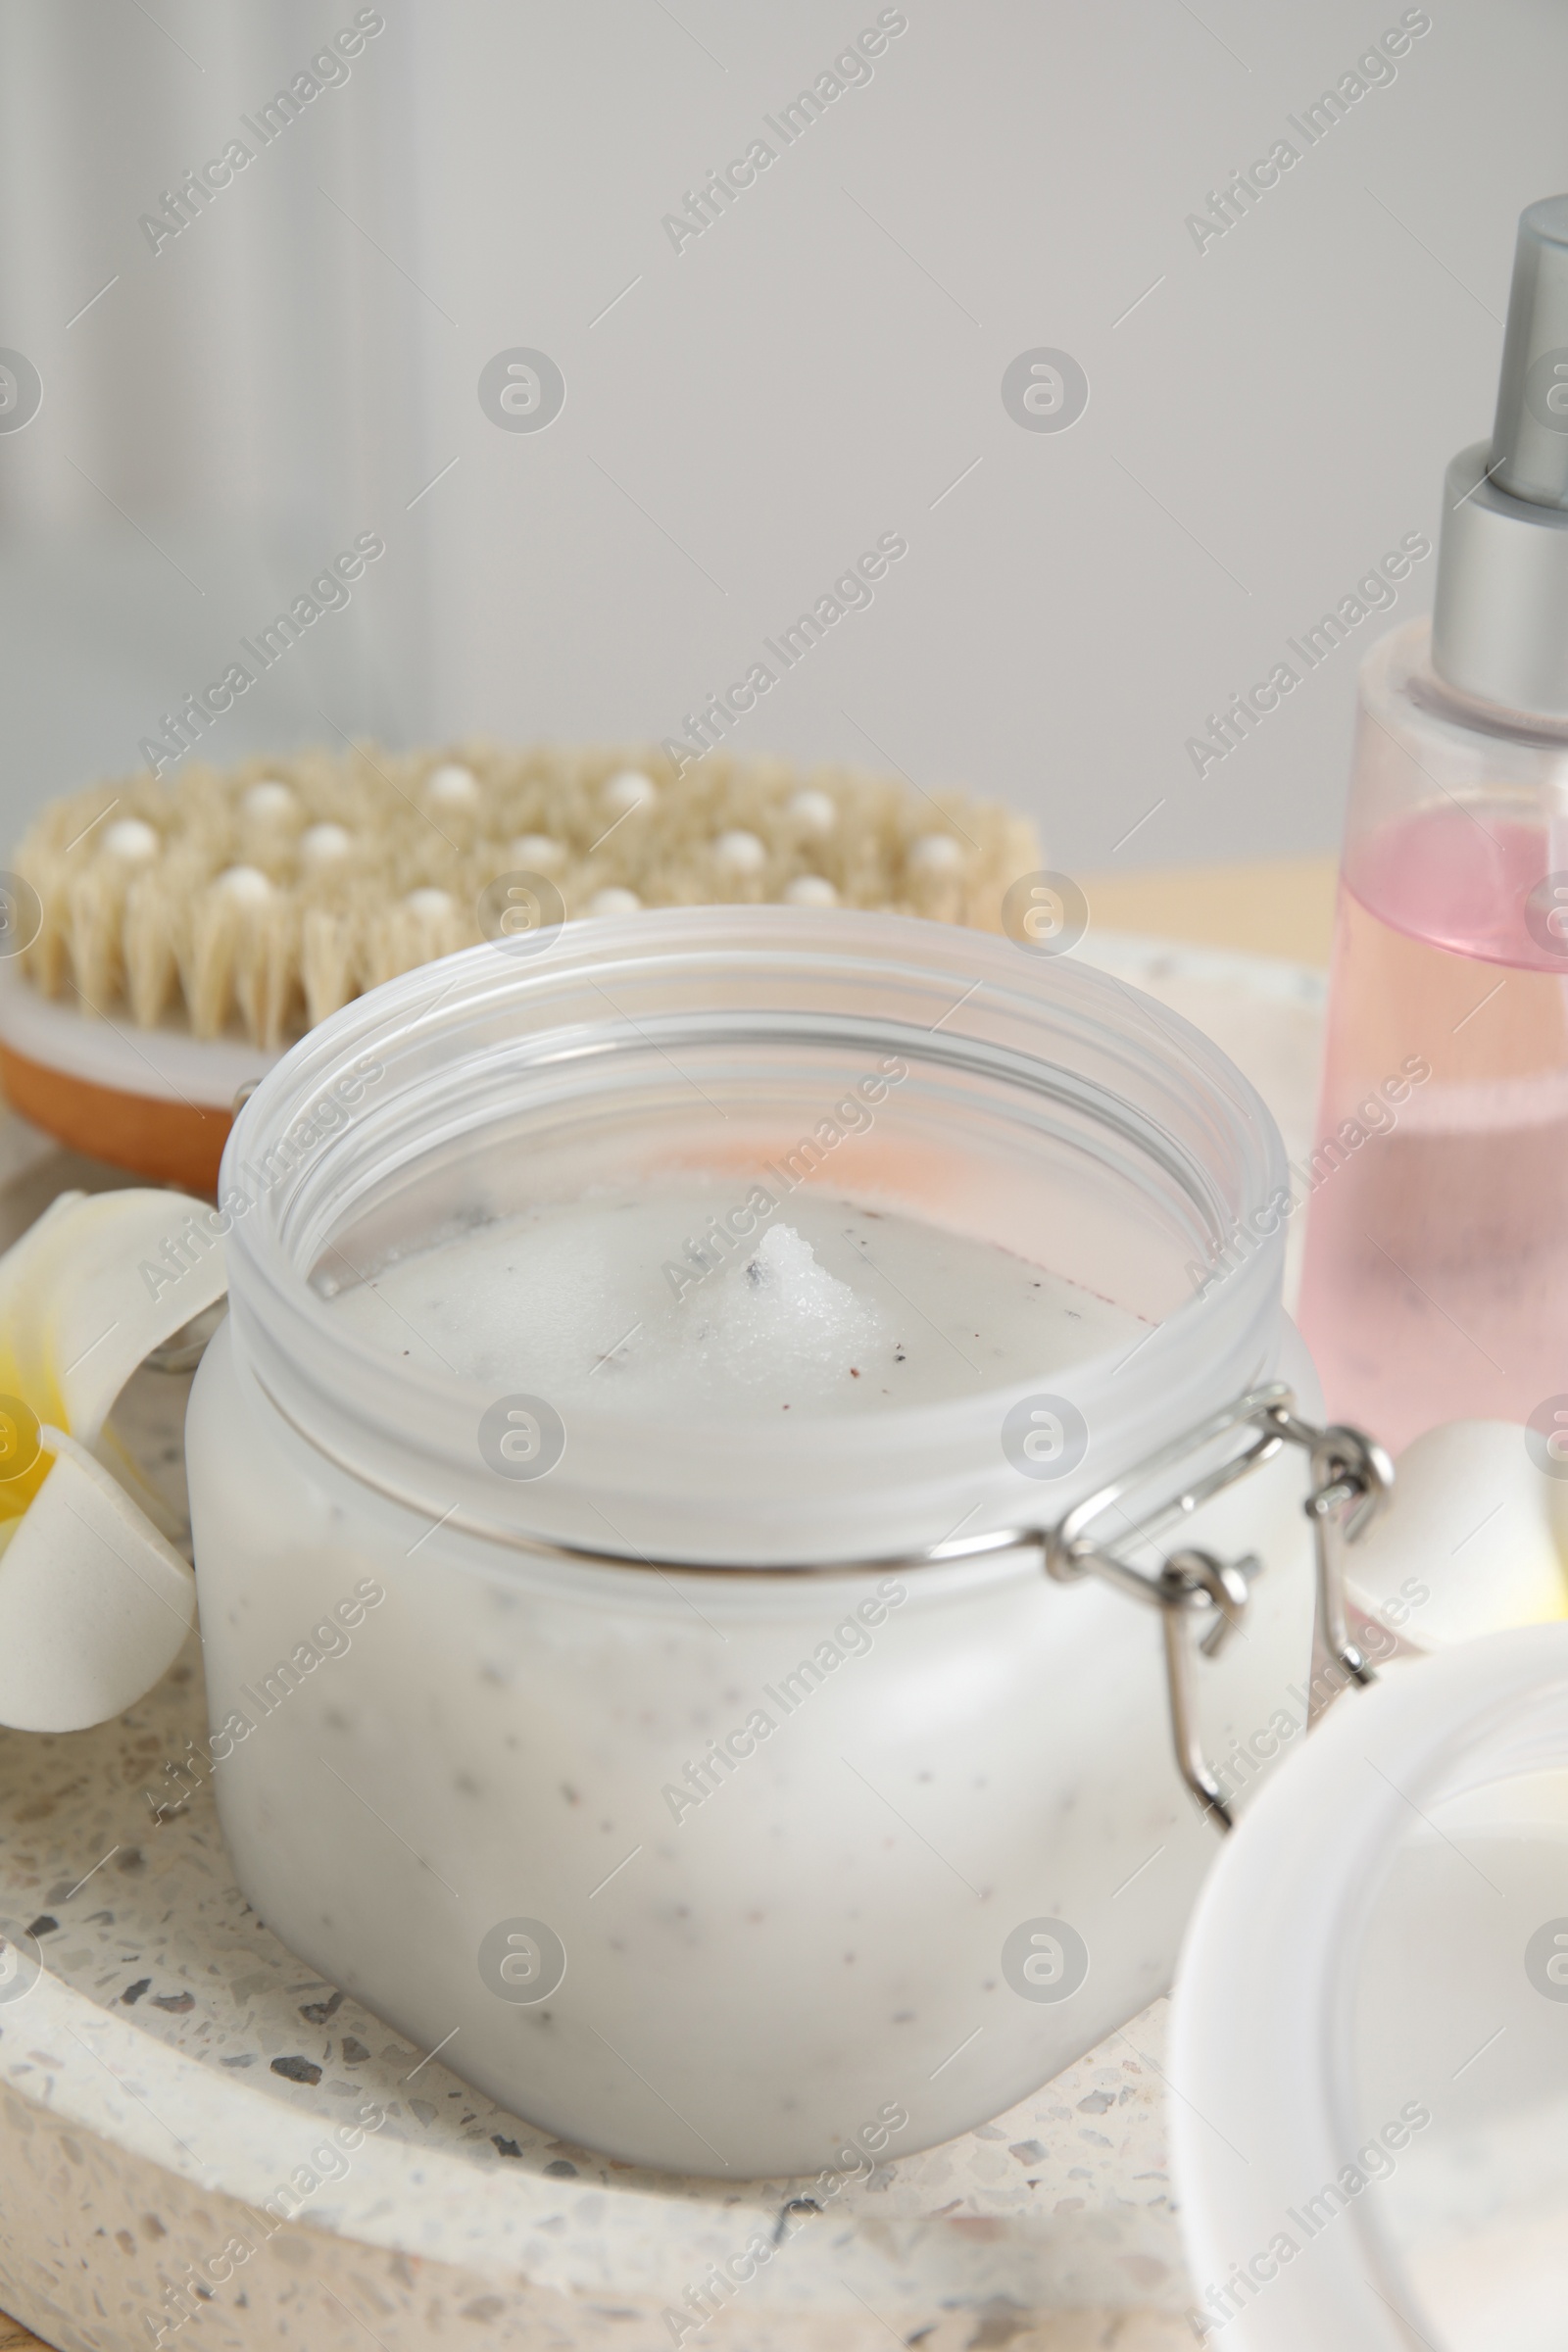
[737, 1797]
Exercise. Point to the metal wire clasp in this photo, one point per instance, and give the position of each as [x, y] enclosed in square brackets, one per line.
[1351, 1479]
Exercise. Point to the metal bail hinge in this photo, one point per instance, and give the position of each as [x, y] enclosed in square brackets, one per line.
[1351, 1479]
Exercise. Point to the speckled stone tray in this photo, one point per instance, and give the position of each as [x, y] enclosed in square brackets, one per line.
[176, 2089]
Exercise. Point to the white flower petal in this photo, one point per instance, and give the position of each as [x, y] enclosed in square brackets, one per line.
[1474, 1527]
[92, 1288]
[94, 1605]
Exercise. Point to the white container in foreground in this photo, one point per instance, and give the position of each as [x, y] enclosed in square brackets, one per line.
[449, 1705]
[1370, 2119]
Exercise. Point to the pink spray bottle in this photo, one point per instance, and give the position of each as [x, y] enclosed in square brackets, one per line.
[1436, 1280]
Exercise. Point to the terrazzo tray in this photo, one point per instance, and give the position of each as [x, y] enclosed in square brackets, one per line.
[181, 2102]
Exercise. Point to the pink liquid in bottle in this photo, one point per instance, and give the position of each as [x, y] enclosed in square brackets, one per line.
[1435, 1278]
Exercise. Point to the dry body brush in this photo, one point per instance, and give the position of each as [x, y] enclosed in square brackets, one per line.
[260, 898]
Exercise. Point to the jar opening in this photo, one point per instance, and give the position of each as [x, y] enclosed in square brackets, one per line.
[1005, 1098]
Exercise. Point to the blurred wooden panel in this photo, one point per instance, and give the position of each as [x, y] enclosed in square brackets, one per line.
[1284, 908]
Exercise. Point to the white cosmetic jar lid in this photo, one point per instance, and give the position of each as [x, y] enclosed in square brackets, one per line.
[1042, 1105]
[1370, 2027]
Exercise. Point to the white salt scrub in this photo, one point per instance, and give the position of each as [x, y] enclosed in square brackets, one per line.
[646, 1297]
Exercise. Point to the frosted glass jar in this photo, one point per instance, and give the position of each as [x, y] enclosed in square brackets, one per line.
[449, 1707]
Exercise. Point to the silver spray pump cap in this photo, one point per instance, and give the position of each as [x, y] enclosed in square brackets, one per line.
[1499, 629]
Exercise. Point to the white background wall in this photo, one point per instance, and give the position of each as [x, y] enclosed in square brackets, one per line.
[818, 368]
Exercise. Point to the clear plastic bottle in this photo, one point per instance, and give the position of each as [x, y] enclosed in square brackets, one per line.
[1436, 1280]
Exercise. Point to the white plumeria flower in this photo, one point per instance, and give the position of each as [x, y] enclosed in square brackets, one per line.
[1505, 1566]
[94, 1602]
